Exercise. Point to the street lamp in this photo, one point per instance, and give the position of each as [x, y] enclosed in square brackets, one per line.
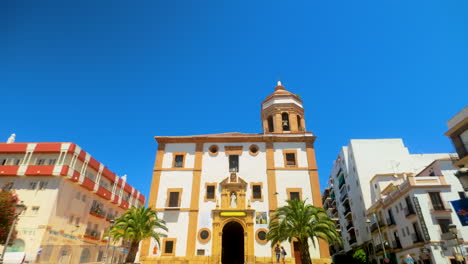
[19, 208]
[453, 229]
[108, 240]
[380, 237]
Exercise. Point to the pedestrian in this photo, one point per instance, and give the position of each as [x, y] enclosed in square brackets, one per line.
[283, 254]
[278, 253]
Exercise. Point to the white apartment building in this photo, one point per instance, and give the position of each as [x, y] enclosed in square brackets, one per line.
[414, 213]
[70, 199]
[352, 172]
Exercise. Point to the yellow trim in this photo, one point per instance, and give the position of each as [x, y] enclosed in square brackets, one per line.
[213, 153]
[174, 155]
[233, 214]
[252, 184]
[271, 177]
[206, 239]
[262, 242]
[254, 146]
[154, 191]
[206, 199]
[194, 202]
[165, 240]
[290, 151]
[315, 188]
[233, 150]
[177, 169]
[168, 197]
[290, 190]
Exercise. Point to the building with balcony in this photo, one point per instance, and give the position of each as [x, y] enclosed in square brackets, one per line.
[458, 134]
[70, 197]
[218, 192]
[329, 204]
[411, 214]
[350, 178]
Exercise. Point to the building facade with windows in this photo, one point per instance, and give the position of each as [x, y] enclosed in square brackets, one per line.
[350, 179]
[413, 213]
[217, 192]
[70, 199]
[458, 134]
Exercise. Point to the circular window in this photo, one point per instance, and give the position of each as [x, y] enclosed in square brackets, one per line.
[213, 149]
[204, 235]
[253, 150]
[261, 236]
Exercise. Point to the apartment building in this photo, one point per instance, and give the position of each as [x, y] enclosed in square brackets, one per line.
[411, 214]
[329, 204]
[70, 197]
[458, 134]
[352, 172]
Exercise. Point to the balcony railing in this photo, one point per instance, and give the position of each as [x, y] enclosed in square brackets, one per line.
[93, 234]
[375, 227]
[379, 247]
[416, 237]
[347, 210]
[441, 207]
[97, 210]
[344, 195]
[409, 211]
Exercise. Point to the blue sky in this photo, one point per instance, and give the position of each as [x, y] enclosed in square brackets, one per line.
[111, 75]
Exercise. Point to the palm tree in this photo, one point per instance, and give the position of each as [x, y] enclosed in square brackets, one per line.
[135, 225]
[299, 221]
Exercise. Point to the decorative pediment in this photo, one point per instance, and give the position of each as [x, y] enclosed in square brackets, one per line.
[233, 193]
[233, 150]
[233, 182]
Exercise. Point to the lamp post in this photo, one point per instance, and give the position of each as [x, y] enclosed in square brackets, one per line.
[380, 237]
[19, 208]
[108, 240]
[453, 229]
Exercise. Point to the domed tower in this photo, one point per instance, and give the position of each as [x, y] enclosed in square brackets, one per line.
[282, 112]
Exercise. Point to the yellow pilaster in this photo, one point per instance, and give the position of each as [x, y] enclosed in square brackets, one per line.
[194, 201]
[271, 177]
[315, 187]
[154, 191]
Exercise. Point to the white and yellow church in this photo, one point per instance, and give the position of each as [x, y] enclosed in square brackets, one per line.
[217, 192]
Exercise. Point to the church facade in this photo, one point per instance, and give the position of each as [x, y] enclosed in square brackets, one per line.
[217, 192]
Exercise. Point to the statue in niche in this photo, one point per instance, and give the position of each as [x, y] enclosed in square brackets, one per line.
[233, 200]
[233, 177]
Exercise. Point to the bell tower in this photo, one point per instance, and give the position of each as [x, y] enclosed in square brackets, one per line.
[282, 112]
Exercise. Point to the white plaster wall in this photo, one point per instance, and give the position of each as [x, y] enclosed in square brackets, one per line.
[175, 179]
[179, 147]
[292, 179]
[301, 153]
[283, 100]
[177, 224]
[215, 168]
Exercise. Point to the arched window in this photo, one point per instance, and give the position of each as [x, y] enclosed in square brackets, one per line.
[285, 121]
[270, 124]
[299, 127]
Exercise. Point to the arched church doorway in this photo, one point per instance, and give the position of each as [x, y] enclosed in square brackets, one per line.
[233, 244]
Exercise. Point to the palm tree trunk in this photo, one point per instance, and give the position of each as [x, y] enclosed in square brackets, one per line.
[304, 248]
[132, 253]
